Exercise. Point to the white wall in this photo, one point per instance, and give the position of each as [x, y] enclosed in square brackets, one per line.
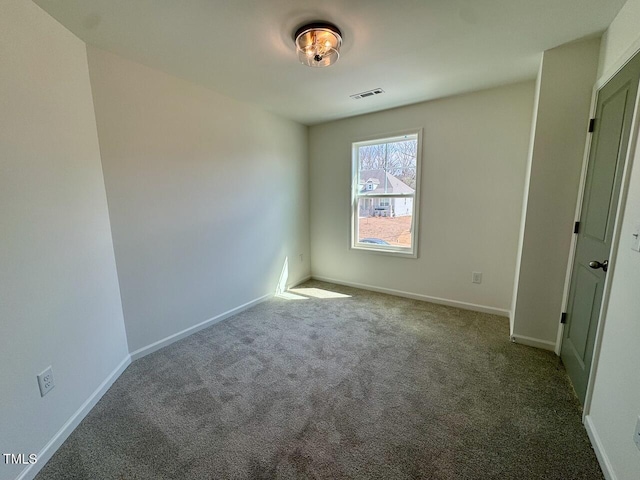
[60, 303]
[207, 197]
[615, 404]
[559, 134]
[621, 39]
[474, 156]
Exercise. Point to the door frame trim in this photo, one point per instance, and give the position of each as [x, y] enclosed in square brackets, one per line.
[615, 241]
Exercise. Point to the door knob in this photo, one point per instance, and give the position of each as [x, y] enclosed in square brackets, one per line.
[596, 265]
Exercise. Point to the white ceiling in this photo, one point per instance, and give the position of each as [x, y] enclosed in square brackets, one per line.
[414, 49]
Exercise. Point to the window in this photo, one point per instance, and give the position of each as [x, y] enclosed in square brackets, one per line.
[385, 180]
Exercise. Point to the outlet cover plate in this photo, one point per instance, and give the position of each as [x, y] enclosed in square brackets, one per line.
[636, 434]
[45, 381]
[476, 277]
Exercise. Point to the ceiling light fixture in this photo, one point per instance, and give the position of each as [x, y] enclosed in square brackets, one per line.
[318, 44]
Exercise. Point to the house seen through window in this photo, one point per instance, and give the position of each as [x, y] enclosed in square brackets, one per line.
[384, 200]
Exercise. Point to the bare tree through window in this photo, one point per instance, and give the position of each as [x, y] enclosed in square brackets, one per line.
[384, 193]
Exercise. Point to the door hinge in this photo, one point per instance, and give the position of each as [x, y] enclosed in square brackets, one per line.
[576, 227]
[592, 125]
[563, 318]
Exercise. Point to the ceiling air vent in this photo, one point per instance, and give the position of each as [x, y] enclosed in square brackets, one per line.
[368, 93]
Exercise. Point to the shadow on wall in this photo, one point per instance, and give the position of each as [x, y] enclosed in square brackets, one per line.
[301, 293]
[281, 287]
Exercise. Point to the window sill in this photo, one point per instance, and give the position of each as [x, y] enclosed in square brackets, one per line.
[384, 251]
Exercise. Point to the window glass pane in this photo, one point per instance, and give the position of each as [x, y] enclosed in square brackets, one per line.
[388, 167]
[385, 221]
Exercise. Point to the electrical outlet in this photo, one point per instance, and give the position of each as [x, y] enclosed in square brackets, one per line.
[45, 381]
[636, 434]
[476, 277]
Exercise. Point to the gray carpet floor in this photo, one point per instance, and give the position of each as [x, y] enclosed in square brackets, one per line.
[360, 386]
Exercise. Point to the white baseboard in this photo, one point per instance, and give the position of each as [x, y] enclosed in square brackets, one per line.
[302, 280]
[417, 296]
[533, 342]
[603, 459]
[58, 439]
[141, 352]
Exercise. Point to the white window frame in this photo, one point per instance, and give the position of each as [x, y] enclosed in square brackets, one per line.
[355, 195]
